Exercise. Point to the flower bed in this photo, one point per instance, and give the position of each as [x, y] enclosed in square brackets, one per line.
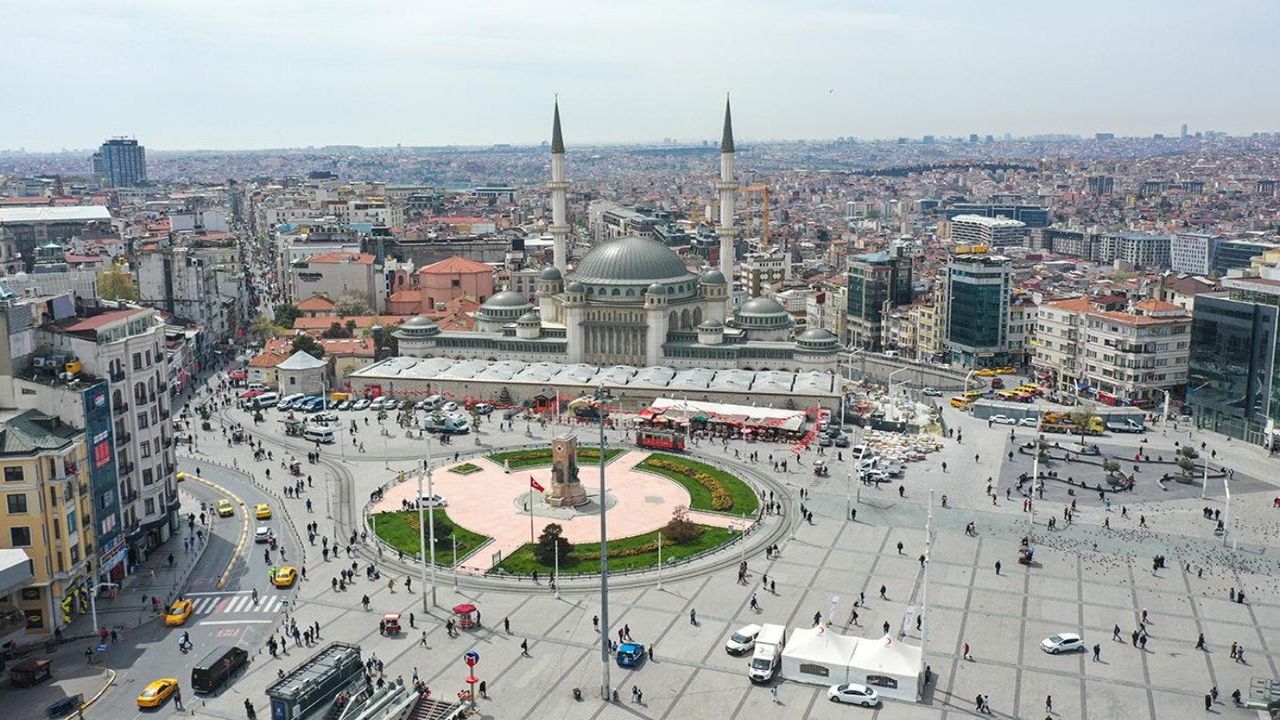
[709, 488]
[537, 457]
[632, 553]
[465, 469]
[400, 531]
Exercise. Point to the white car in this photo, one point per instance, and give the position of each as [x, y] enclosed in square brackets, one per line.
[742, 641]
[433, 501]
[324, 418]
[1029, 422]
[932, 392]
[1002, 420]
[450, 406]
[853, 694]
[1062, 642]
[482, 408]
[262, 534]
[377, 403]
[360, 404]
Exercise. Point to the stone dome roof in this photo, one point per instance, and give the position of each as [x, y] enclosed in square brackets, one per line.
[712, 325]
[712, 277]
[529, 318]
[506, 299]
[816, 335]
[657, 289]
[631, 260]
[575, 287]
[818, 340]
[418, 321]
[761, 306]
[549, 273]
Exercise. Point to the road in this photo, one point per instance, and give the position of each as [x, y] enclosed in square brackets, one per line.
[220, 586]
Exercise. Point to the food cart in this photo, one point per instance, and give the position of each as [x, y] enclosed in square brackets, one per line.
[466, 616]
[391, 624]
[31, 672]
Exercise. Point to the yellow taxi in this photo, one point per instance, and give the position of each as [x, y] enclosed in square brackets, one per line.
[156, 692]
[285, 577]
[986, 372]
[180, 476]
[225, 509]
[262, 511]
[178, 613]
[1006, 370]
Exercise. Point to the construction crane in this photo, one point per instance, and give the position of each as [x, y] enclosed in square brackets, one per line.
[763, 189]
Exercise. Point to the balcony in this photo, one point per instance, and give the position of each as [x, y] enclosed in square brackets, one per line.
[126, 468]
[128, 497]
[167, 441]
[117, 376]
[124, 437]
[120, 409]
[169, 469]
[163, 387]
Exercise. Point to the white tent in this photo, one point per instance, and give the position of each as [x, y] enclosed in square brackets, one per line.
[819, 656]
[890, 666]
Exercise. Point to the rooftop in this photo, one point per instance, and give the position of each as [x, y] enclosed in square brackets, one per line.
[31, 432]
[453, 265]
[73, 213]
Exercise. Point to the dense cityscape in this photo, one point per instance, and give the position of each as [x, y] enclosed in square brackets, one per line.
[699, 428]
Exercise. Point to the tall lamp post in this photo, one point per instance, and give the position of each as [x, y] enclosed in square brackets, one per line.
[93, 605]
[601, 396]
[427, 532]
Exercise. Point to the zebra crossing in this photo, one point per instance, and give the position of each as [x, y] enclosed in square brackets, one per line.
[236, 602]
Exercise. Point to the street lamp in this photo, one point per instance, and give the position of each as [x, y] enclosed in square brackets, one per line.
[895, 372]
[430, 528]
[602, 395]
[93, 604]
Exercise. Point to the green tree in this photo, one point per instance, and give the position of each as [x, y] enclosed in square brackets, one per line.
[1111, 466]
[263, 329]
[552, 537]
[286, 313]
[309, 345]
[336, 330]
[117, 285]
[1186, 465]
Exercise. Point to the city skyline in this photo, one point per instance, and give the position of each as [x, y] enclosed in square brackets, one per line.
[480, 75]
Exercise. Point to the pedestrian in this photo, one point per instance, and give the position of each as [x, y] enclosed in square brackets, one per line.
[1133, 637]
[1097, 652]
[506, 625]
[484, 690]
[1048, 704]
[883, 589]
[774, 692]
[997, 567]
[595, 622]
[524, 648]
[653, 649]
[177, 698]
[964, 652]
[1208, 702]
[1115, 634]
[693, 617]
[899, 547]
[1200, 642]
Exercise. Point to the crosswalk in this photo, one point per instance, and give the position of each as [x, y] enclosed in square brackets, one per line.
[235, 602]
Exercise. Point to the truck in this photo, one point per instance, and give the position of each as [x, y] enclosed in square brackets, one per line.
[449, 423]
[767, 658]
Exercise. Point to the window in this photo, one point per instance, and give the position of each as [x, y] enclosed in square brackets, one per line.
[811, 669]
[71, 521]
[149, 506]
[456, 283]
[75, 554]
[14, 474]
[146, 450]
[31, 593]
[143, 423]
[17, 503]
[147, 478]
[20, 536]
[137, 361]
[882, 681]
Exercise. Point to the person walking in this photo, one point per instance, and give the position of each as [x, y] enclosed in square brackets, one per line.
[1115, 634]
[506, 625]
[524, 648]
[774, 692]
[964, 652]
[1097, 652]
[1048, 704]
[1200, 642]
[693, 617]
[997, 567]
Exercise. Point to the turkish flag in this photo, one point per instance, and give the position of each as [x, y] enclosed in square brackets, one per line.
[534, 484]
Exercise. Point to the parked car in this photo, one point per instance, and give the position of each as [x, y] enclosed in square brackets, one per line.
[631, 655]
[325, 417]
[842, 441]
[932, 392]
[360, 404]
[344, 405]
[482, 408]
[1002, 420]
[1062, 642]
[1029, 422]
[854, 694]
[433, 501]
[824, 440]
[742, 641]
[450, 406]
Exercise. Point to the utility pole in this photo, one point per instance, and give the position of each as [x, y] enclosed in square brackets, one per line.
[605, 690]
[431, 525]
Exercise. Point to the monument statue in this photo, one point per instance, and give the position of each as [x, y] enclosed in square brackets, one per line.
[566, 489]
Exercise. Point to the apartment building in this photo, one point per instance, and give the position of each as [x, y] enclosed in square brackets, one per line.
[338, 273]
[47, 514]
[1139, 250]
[185, 285]
[990, 231]
[1113, 350]
[125, 345]
[769, 269]
[878, 282]
[1193, 253]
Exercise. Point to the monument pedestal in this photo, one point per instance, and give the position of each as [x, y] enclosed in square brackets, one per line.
[566, 489]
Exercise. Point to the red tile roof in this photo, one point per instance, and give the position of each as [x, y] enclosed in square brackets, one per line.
[316, 302]
[92, 323]
[455, 265]
[338, 258]
[321, 324]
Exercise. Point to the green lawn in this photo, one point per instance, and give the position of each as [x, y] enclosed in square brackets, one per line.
[400, 530]
[465, 469]
[539, 457]
[743, 500]
[586, 557]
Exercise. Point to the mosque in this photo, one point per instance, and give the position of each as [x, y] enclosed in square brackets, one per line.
[631, 301]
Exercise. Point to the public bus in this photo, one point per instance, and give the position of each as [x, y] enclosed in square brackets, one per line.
[660, 439]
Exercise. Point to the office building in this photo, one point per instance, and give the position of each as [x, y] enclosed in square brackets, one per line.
[47, 514]
[1071, 242]
[975, 296]
[1138, 250]
[878, 282]
[23, 229]
[121, 162]
[1193, 253]
[1033, 216]
[1238, 254]
[974, 230]
[1234, 379]
[1111, 350]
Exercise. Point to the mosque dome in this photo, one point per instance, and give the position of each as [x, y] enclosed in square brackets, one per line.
[631, 260]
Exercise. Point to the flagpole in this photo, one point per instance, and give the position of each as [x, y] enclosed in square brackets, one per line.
[530, 513]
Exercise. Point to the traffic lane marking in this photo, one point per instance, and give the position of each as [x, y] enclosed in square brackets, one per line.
[244, 527]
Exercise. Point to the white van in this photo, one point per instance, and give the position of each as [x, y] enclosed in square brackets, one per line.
[432, 402]
[767, 658]
[318, 433]
[258, 386]
[266, 400]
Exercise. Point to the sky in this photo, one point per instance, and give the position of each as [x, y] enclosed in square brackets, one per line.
[245, 74]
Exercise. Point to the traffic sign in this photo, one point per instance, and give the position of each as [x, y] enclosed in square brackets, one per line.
[471, 658]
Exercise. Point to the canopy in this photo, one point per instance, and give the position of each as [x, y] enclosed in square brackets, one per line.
[464, 609]
[890, 666]
[818, 655]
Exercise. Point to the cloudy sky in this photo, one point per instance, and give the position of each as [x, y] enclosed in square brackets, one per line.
[184, 74]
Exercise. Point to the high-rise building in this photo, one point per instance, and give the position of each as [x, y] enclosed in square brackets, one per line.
[1137, 249]
[1101, 184]
[1193, 253]
[878, 282]
[1236, 254]
[990, 231]
[121, 162]
[975, 295]
[1233, 384]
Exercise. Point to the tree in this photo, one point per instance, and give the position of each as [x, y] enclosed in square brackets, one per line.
[1111, 466]
[552, 537]
[286, 313]
[336, 331]
[309, 345]
[1186, 465]
[352, 303]
[263, 329]
[117, 285]
[680, 529]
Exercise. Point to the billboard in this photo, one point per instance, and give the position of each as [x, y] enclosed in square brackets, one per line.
[98, 430]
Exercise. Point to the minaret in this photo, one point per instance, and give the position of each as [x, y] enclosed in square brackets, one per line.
[728, 187]
[558, 186]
